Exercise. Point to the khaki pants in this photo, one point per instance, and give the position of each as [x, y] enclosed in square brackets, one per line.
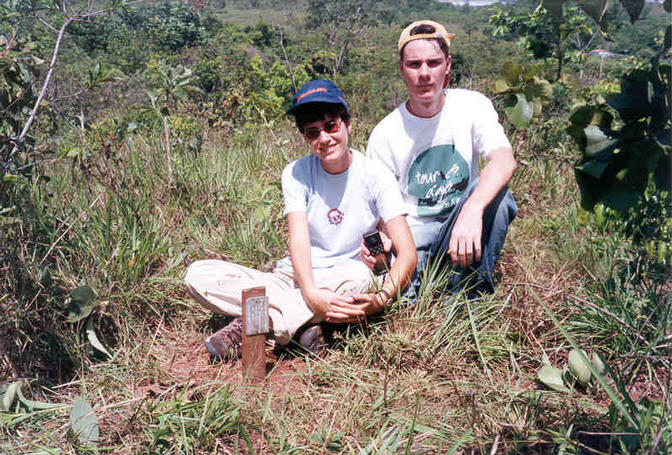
[217, 285]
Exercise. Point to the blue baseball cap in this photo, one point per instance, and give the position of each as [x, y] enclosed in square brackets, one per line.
[317, 91]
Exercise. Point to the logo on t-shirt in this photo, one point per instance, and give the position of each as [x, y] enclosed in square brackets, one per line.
[335, 216]
[437, 178]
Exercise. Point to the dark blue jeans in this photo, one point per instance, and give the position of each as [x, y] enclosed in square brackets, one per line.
[432, 239]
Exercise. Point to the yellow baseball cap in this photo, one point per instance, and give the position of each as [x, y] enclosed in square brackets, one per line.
[439, 33]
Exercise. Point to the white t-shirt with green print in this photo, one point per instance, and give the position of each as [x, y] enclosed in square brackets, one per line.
[434, 159]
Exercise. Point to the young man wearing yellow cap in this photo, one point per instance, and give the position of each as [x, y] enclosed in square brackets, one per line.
[432, 144]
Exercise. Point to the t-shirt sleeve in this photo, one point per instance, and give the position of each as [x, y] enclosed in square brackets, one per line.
[377, 148]
[487, 133]
[294, 190]
[386, 192]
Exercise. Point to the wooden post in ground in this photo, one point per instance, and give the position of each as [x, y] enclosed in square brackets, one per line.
[255, 327]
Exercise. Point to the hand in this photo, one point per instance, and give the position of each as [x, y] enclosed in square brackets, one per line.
[365, 254]
[322, 302]
[464, 246]
[364, 305]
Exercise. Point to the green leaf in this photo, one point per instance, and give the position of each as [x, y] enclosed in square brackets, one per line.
[581, 114]
[578, 366]
[634, 8]
[93, 338]
[501, 86]
[597, 141]
[10, 395]
[554, 8]
[511, 73]
[33, 405]
[44, 277]
[594, 8]
[537, 108]
[84, 423]
[520, 114]
[81, 303]
[597, 362]
[10, 178]
[545, 88]
[552, 377]
[594, 168]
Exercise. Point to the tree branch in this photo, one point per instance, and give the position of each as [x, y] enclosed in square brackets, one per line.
[47, 80]
[289, 64]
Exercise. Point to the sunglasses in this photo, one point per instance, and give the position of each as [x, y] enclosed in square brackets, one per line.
[330, 127]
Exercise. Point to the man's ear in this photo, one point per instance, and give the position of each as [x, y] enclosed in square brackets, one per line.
[447, 80]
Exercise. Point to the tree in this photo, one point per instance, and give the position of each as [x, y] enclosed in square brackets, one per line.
[548, 31]
[171, 85]
[69, 15]
[343, 21]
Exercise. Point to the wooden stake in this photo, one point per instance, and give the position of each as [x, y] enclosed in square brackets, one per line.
[255, 327]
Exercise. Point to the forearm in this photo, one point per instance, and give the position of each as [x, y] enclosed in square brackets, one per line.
[495, 175]
[400, 274]
[299, 253]
[302, 265]
[406, 257]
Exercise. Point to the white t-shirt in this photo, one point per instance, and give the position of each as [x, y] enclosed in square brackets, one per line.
[434, 159]
[340, 208]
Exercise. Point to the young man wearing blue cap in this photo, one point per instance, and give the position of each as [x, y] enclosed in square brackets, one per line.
[332, 198]
[432, 144]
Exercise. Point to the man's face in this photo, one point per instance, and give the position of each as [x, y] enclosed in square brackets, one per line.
[328, 139]
[424, 70]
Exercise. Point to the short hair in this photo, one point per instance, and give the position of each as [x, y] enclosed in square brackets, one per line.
[421, 30]
[312, 112]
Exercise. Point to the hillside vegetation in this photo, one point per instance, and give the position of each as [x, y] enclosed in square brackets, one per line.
[160, 139]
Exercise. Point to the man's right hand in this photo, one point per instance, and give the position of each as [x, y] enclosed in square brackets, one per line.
[365, 254]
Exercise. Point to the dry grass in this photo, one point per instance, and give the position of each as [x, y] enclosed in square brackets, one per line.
[443, 375]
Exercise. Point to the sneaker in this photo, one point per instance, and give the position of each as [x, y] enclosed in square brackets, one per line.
[226, 344]
[312, 340]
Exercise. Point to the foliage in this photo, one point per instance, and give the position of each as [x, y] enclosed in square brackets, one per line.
[618, 164]
[524, 92]
[164, 27]
[343, 22]
[549, 31]
[18, 74]
[635, 426]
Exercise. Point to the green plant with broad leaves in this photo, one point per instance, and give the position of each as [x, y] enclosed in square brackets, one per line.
[625, 140]
[576, 372]
[524, 92]
[635, 427]
[171, 86]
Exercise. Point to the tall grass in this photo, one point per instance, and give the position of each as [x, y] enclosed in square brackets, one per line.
[443, 375]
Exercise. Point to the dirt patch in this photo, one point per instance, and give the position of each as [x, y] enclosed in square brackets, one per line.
[182, 359]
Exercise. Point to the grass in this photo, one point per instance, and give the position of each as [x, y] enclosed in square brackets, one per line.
[443, 376]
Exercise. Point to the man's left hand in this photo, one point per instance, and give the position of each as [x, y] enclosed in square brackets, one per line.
[464, 246]
[369, 303]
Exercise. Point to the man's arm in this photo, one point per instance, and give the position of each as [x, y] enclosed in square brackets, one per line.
[464, 246]
[398, 277]
[317, 299]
